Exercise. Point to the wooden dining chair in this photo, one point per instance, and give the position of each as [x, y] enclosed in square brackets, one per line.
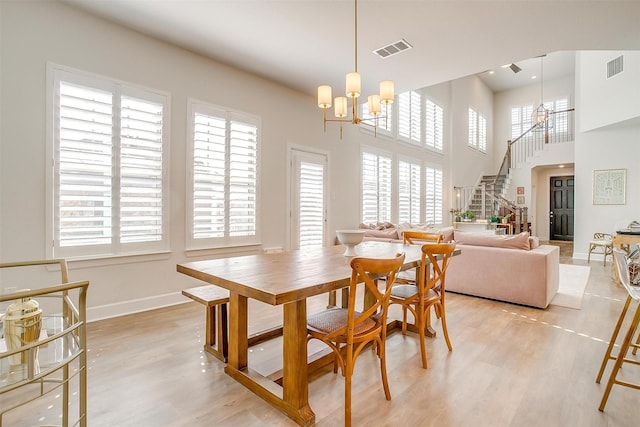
[347, 331]
[427, 292]
[633, 295]
[419, 237]
[416, 238]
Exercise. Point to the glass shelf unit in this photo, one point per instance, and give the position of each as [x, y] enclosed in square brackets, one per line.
[44, 381]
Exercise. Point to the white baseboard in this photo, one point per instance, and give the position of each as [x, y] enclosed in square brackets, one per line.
[134, 306]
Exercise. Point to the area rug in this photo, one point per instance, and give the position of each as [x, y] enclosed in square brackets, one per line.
[573, 281]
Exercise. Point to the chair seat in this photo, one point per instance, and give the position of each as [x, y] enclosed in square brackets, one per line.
[601, 242]
[408, 291]
[331, 320]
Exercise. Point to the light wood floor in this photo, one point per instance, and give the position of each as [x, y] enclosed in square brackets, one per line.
[510, 366]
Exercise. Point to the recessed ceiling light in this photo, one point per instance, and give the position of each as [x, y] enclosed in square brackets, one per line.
[534, 77]
[491, 72]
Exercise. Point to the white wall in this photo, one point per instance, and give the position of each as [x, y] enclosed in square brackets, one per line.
[614, 146]
[35, 33]
[607, 101]
[470, 164]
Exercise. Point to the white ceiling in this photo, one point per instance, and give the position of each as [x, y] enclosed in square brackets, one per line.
[305, 43]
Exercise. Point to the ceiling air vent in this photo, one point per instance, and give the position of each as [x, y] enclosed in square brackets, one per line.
[615, 66]
[393, 49]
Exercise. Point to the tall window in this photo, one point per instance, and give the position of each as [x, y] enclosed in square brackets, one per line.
[110, 174]
[409, 116]
[559, 121]
[376, 188]
[223, 186]
[521, 120]
[433, 195]
[409, 177]
[434, 126]
[477, 130]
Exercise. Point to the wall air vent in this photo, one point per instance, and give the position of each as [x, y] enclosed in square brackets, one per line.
[615, 66]
[393, 49]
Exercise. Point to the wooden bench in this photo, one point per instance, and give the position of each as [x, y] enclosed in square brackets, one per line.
[216, 334]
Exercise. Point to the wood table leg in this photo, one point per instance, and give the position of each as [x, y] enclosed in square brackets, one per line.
[238, 332]
[295, 382]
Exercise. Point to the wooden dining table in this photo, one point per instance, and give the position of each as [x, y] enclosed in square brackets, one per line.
[287, 279]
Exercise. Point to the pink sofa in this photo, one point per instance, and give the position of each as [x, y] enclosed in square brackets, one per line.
[512, 268]
[506, 268]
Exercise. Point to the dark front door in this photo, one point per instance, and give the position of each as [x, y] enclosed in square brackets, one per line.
[561, 208]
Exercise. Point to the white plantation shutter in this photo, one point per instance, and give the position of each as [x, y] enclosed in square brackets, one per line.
[473, 128]
[477, 130]
[433, 196]
[376, 188]
[243, 179]
[434, 126]
[521, 120]
[140, 170]
[209, 178]
[482, 133]
[84, 167]
[559, 122]
[109, 141]
[409, 116]
[311, 205]
[409, 192]
[224, 187]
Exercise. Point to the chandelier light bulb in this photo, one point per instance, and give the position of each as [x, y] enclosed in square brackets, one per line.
[341, 106]
[374, 104]
[324, 96]
[353, 85]
[386, 92]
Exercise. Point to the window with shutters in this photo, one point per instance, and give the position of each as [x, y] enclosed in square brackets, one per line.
[110, 144]
[409, 177]
[384, 121]
[410, 117]
[434, 123]
[521, 120]
[482, 133]
[433, 195]
[376, 187]
[223, 186]
[559, 120]
[477, 130]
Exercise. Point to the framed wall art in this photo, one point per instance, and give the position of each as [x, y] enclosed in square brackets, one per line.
[609, 187]
[520, 200]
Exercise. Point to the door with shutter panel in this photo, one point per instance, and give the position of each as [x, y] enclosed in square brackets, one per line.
[308, 199]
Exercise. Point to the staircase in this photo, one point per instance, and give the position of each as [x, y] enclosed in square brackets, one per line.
[487, 198]
[481, 203]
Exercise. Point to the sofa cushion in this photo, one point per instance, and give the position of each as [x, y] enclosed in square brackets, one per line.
[389, 233]
[534, 242]
[517, 241]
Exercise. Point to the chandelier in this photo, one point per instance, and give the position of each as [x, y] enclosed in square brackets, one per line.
[374, 102]
[541, 114]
